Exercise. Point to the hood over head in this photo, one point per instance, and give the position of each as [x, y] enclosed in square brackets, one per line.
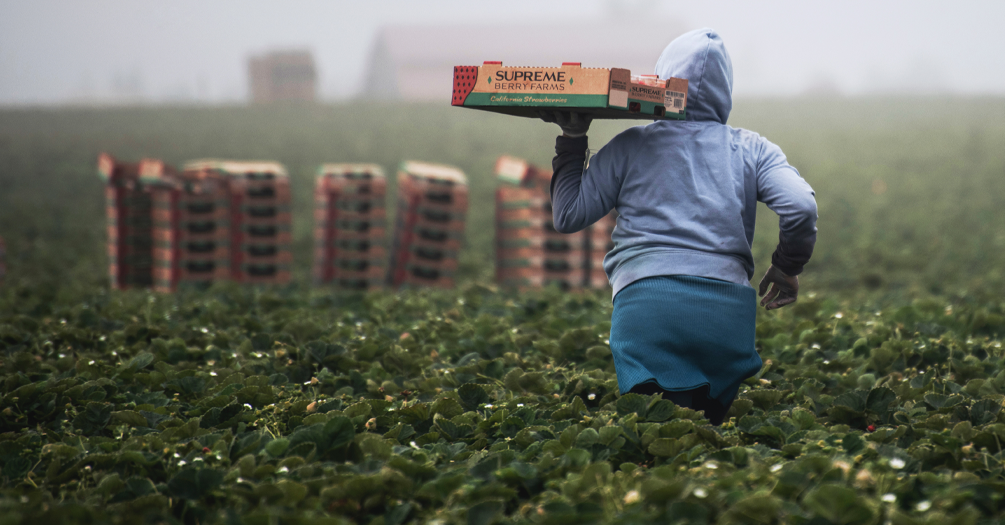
[701, 58]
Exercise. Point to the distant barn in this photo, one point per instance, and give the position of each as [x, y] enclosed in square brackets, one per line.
[416, 62]
[283, 76]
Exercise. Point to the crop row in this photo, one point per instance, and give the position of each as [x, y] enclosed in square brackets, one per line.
[478, 406]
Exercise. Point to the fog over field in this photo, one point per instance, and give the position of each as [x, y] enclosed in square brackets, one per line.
[181, 350]
[120, 51]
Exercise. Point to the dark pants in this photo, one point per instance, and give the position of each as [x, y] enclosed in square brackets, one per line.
[696, 399]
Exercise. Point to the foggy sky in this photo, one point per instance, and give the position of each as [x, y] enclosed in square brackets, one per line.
[124, 51]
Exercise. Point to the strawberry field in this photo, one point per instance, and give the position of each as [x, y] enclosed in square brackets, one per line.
[880, 400]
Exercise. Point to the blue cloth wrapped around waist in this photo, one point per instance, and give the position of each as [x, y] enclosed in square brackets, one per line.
[684, 333]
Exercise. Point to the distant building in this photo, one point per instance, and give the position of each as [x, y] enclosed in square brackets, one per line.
[283, 76]
[416, 62]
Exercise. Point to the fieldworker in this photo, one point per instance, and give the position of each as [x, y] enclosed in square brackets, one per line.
[686, 194]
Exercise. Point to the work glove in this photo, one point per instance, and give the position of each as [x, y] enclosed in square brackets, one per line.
[784, 289]
[573, 124]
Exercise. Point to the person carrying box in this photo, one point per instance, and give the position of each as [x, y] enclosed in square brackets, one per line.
[686, 194]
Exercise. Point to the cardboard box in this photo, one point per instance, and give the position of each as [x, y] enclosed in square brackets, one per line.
[350, 221]
[264, 274]
[432, 206]
[335, 188]
[260, 216]
[603, 93]
[334, 258]
[129, 219]
[529, 252]
[356, 172]
[369, 233]
[237, 169]
[514, 171]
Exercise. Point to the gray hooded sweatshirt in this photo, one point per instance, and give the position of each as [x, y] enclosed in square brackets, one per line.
[686, 191]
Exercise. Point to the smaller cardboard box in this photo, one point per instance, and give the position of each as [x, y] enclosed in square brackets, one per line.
[648, 94]
[600, 92]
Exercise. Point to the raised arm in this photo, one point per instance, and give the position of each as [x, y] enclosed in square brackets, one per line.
[581, 197]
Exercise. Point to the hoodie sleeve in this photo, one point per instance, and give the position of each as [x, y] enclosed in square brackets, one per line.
[785, 192]
[581, 197]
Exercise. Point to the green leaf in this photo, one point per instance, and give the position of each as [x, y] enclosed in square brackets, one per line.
[942, 401]
[447, 427]
[306, 450]
[632, 403]
[361, 409]
[339, 431]
[984, 411]
[398, 514]
[277, 447]
[194, 483]
[140, 486]
[764, 399]
[414, 413]
[740, 408]
[838, 504]
[189, 385]
[760, 507]
[749, 424]
[676, 429]
[854, 401]
[587, 438]
[484, 513]
[141, 361]
[665, 447]
[578, 457]
[852, 444]
[375, 446]
[609, 433]
[447, 407]
[472, 396]
[662, 410]
[93, 418]
[879, 400]
[16, 468]
[129, 417]
[293, 492]
[336, 433]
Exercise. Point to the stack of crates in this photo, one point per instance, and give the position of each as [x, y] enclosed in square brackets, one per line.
[260, 219]
[529, 252]
[350, 226]
[429, 227]
[598, 238]
[129, 222]
[191, 226]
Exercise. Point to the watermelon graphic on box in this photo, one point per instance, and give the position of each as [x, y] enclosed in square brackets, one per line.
[601, 92]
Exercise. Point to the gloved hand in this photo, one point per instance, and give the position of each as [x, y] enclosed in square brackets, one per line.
[573, 124]
[784, 289]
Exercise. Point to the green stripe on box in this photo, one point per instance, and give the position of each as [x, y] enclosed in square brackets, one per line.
[536, 99]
